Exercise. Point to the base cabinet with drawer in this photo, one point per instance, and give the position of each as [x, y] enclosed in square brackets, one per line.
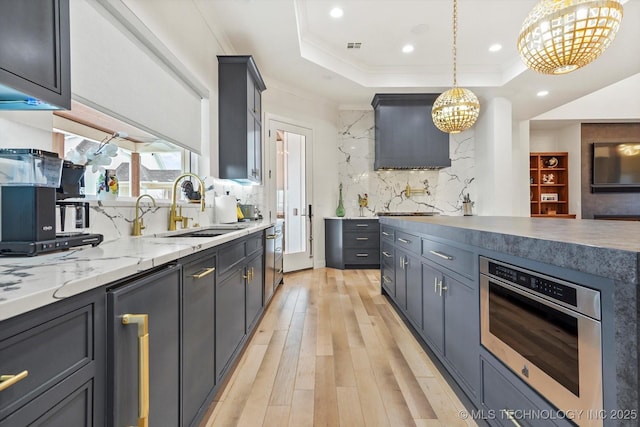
[430, 283]
[352, 243]
[69, 388]
[239, 296]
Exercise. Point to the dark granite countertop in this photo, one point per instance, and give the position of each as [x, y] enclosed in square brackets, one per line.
[605, 248]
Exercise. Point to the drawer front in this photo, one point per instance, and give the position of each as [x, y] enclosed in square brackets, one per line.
[254, 243]
[455, 259]
[229, 256]
[387, 279]
[387, 233]
[501, 396]
[386, 255]
[407, 241]
[354, 239]
[361, 225]
[64, 343]
[361, 256]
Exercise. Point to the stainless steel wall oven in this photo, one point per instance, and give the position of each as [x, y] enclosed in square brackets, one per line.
[547, 331]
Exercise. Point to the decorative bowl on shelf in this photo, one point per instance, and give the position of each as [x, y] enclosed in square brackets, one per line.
[551, 162]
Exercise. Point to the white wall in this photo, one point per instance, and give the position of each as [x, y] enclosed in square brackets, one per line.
[26, 129]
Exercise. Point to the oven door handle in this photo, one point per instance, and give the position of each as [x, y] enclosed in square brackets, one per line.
[536, 298]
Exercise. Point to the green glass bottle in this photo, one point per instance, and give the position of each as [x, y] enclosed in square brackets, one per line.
[340, 209]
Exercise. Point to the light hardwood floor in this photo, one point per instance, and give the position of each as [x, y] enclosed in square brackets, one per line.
[331, 351]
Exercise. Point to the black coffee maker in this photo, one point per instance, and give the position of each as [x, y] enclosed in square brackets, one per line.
[29, 182]
[71, 181]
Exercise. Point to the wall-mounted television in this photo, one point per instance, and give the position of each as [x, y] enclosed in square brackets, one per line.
[616, 166]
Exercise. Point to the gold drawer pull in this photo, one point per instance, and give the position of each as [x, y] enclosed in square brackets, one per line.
[441, 255]
[7, 381]
[362, 238]
[142, 320]
[204, 272]
[271, 236]
[362, 255]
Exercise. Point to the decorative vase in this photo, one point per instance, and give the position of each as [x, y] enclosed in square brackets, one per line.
[340, 212]
[107, 186]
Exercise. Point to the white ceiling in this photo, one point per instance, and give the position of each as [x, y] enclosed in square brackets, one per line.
[296, 44]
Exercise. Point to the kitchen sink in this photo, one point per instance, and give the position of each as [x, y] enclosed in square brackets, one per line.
[211, 231]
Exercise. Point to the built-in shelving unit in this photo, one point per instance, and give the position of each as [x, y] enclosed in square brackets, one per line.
[549, 184]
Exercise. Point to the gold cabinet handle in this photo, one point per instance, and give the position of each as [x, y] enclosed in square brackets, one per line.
[204, 272]
[252, 274]
[362, 238]
[142, 320]
[271, 236]
[7, 381]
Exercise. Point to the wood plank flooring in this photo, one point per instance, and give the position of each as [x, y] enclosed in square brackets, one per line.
[331, 351]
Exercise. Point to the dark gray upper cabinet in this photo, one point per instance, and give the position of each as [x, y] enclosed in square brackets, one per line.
[34, 55]
[405, 136]
[240, 89]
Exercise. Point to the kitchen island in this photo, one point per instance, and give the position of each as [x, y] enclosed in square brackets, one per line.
[598, 255]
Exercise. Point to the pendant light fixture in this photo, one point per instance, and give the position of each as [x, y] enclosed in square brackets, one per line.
[560, 36]
[458, 108]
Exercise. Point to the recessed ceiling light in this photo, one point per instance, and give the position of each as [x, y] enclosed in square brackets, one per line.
[336, 12]
[407, 48]
[495, 47]
[543, 93]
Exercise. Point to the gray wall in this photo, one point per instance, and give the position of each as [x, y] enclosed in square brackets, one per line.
[606, 203]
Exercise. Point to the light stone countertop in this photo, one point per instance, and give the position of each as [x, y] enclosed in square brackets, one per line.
[27, 283]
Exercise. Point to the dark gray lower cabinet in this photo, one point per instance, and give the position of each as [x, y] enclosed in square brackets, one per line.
[230, 318]
[255, 286]
[156, 295]
[433, 309]
[408, 283]
[58, 353]
[198, 335]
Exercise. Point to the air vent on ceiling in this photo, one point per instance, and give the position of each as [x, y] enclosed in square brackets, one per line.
[354, 45]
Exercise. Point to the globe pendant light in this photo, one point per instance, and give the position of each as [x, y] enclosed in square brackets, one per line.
[458, 108]
[560, 36]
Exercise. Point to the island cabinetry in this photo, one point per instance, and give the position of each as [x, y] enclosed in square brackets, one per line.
[52, 364]
[388, 268]
[239, 299]
[144, 349]
[352, 243]
[451, 313]
[240, 118]
[198, 334]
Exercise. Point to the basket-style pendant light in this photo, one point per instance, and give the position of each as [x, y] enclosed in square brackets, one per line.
[560, 36]
[458, 108]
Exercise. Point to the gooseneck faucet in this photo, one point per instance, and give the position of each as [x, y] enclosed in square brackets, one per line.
[174, 217]
[138, 223]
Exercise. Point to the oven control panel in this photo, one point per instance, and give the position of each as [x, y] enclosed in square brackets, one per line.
[536, 283]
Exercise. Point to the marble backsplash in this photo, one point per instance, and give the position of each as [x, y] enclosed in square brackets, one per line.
[444, 188]
[114, 218]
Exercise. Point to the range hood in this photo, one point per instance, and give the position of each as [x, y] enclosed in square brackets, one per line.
[405, 136]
